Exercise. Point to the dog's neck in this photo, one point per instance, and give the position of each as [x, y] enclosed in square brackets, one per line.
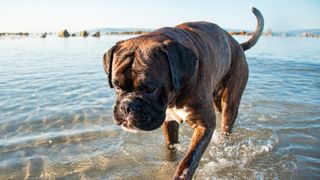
[181, 97]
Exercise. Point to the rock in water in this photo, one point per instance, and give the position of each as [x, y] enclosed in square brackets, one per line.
[97, 34]
[84, 33]
[64, 33]
[44, 35]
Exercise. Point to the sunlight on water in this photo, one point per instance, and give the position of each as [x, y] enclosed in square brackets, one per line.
[56, 116]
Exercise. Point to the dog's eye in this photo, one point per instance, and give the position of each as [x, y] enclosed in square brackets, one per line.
[117, 88]
[149, 90]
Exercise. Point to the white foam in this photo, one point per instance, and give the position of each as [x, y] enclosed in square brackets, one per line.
[236, 151]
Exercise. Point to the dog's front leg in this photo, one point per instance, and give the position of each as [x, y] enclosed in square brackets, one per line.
[171, 133]
[201, 137]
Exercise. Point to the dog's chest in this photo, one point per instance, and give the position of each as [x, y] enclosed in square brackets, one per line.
[175, 114]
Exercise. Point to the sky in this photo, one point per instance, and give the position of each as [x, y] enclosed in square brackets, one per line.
[76, 15]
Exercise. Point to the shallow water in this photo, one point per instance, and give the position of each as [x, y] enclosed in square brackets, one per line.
[56, 121]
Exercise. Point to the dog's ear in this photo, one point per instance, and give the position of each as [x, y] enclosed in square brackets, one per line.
[107, 62]
[182, 63]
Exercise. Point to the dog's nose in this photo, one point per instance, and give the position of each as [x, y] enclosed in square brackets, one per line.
[124, 107]
[128, 106]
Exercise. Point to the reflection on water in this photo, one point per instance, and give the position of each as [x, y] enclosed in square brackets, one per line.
[56, 121]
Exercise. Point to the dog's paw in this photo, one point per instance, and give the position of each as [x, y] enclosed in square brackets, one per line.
[183, 175]
[171, 147]
[226, 131]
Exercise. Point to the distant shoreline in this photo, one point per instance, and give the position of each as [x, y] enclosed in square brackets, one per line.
[65, 34]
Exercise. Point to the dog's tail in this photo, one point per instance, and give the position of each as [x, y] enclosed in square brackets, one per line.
[255, 37]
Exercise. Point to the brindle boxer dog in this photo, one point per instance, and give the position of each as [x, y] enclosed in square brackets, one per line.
[180, 74]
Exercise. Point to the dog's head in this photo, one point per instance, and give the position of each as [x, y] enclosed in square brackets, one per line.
[144, 72]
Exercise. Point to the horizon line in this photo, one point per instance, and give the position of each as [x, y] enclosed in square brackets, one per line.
[152, 29]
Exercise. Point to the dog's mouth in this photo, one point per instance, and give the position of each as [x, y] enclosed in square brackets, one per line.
[133, 122]
[128, 126]
[138, 114]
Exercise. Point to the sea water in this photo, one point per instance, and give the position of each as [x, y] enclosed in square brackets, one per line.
[56, 116]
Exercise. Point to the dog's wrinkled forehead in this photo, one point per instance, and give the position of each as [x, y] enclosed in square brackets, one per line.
[136, 62]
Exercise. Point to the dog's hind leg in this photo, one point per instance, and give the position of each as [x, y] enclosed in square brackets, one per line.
[233, 88]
